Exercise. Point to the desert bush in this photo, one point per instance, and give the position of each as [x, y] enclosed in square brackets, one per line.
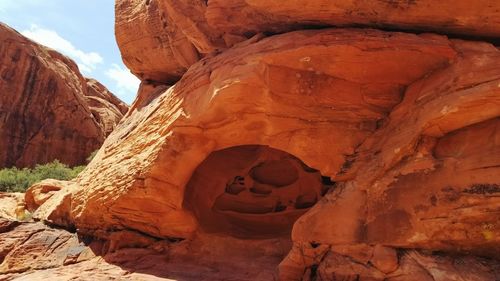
[18, 180]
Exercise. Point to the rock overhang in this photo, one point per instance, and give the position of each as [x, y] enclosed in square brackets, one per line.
[274, 92]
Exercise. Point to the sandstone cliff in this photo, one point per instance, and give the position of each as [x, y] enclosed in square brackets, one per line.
[289, 148]
[48, 110]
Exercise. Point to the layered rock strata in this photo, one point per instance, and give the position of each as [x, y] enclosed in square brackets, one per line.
[323, 154]
[48, 110]
[160, 39]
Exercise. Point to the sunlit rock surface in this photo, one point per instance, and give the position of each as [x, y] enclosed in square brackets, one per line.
[318, 154]
[48, 110]
[160, 39]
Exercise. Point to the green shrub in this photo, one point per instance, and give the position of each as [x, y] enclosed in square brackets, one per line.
[18, 180]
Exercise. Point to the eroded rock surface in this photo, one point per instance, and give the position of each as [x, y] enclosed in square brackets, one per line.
[33, 251]
[428, 178]
[12, 206]
[308, 98]
[106, 108]
[323, 154]
[151, 44]
[48, 110]
[385, 115]
[382, 114]
[33, 246]
[160, 39]
[253, 191]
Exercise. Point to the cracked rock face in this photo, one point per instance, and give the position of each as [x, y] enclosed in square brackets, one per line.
[48, 110]
[318, 154]
[160, 39]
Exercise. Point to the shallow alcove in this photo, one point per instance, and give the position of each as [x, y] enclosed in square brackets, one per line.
[253, 191]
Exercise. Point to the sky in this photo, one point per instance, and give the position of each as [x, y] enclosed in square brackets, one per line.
[81, 29]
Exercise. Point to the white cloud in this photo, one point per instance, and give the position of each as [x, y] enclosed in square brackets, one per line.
[87, 62]
[126, 83]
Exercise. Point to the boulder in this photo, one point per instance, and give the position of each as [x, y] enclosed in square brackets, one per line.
[34, 246]
[12, 206]
[150, 43]
[385, 259]
[49, 201]
[42, 191]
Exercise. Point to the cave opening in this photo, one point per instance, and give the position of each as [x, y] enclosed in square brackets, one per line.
[253, 191]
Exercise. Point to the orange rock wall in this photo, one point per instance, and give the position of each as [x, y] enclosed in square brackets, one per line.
[47, 109]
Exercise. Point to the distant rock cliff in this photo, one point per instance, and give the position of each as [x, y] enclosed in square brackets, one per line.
[48, 110]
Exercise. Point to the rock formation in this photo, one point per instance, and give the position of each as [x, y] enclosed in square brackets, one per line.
[160, 39]
[48, 110]
[295, 149]
[269, 191]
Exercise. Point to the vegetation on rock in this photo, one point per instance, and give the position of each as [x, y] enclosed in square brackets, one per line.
[18, 180]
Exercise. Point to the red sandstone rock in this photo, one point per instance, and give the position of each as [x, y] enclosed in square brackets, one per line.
[159, 40]
[384, 258]
[11, 206]
[32, 251]
[31, 246]
[333, 99]
[292, 109]
[252, 191]
[151, 44]
[106, 108]
[47, 109]
[208, 176]
[40, 192]
[427, 178]
[456, 17]
[413, 266]
[36, 252]
[50, 201]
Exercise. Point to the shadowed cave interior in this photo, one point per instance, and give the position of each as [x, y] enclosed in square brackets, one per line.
[253, 191]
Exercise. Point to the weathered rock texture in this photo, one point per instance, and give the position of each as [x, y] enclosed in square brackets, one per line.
[151, 44]
[160, 39]
[270, 189]
[33, 251]
[323, 154]
[48, 110]
[11, 206]
[105, 107]
[302, 92]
